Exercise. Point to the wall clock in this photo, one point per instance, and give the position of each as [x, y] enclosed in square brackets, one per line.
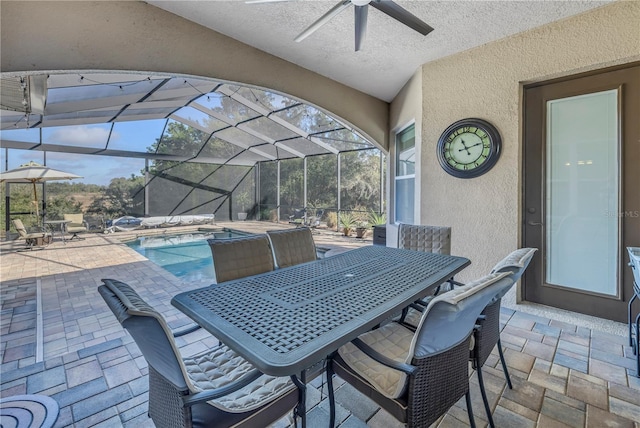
[469, 148]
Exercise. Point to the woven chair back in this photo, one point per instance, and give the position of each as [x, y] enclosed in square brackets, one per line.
[240, 257]
[429, 239]
[292, 246]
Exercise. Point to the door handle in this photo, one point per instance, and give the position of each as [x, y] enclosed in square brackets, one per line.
[533, 223]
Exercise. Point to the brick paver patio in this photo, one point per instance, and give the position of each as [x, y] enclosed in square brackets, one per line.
[58, 338]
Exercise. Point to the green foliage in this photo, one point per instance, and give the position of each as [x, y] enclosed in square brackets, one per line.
[347, 219]
[376, 218]
[59, 205]
[122, 197]
[67, 188]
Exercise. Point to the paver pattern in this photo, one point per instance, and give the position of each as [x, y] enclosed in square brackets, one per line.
[66, 344]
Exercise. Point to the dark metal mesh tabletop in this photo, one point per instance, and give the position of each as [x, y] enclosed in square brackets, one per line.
[290, 317]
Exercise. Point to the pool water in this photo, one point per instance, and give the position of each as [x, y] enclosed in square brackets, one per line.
[186, 256]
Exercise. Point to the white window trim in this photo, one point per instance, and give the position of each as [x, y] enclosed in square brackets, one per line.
[391, 203]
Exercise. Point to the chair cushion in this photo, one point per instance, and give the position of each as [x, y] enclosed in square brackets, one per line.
[392, 340]
[517, 259]
[214, 369]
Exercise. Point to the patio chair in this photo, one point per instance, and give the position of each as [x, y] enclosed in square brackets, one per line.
[214, 388]
[428, 239]
[76, 225]
[487, 333]
[313, 221]
[418, 375]
[240, 257]
[33, 239]
[298, 217]
[292, 246]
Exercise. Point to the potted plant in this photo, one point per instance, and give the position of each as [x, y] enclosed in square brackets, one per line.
[347, 222]
[376, 219]
[243, 199]
[361, 228]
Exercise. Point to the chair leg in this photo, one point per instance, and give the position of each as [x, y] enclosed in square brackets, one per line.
[637, 346]
[300, 409]
[629, 318]
[484, 395]
[472, 421]
[504, 365]
[332, 400]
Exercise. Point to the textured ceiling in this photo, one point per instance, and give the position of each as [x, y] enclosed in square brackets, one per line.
[391, 52]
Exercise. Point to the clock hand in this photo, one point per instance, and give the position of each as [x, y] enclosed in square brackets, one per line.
[465, 147]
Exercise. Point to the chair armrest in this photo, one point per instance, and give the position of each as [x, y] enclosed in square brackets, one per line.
[185, 330]
[383, 359]
[212, 394]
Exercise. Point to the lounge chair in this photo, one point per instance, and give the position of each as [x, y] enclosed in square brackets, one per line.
[76, 225]
[34, 239]
[298, 217]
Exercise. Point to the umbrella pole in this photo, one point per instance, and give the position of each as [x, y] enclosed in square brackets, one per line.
[35, 199]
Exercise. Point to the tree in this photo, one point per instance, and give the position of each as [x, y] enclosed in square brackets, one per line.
[123, 196]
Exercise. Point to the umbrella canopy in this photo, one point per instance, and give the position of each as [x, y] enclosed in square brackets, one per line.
[33, 172]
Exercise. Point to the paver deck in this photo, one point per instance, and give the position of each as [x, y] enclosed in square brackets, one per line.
[59, 339]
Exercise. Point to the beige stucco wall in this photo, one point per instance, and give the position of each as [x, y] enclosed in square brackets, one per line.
[405, 110]
[134, 36]
[486, 82]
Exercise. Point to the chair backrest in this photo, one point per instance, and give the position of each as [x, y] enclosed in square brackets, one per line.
[75, 219]
[450, 317]
[149, 330]
[634, 262]
[22, 231]
[298, 213]
[240, 257]
[429, 239]
[292, 246]
[516, 263]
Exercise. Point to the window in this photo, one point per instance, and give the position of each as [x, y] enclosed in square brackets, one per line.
[405, 174]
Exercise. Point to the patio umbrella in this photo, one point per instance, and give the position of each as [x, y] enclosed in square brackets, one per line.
[33, 172]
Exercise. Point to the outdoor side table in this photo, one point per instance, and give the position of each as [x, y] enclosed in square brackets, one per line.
[288, 320]
[58, 226]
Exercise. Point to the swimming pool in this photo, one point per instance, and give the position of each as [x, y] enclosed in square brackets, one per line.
[187, 256]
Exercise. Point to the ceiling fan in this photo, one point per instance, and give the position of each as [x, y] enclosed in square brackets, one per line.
[361, 8]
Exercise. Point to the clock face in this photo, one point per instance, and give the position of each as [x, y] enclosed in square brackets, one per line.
[469, 148]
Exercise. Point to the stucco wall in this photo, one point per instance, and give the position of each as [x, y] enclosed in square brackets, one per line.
[486, 82]
[134, 36]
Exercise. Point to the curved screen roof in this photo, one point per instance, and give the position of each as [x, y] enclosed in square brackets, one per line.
[130, 114]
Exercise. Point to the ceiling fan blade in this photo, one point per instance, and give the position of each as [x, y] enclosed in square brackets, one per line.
[400, 14]
[323, 19]
[361, 24]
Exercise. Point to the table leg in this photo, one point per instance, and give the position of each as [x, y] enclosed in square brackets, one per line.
[301, 410]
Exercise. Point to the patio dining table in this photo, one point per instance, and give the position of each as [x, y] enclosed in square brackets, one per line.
[289, 320]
